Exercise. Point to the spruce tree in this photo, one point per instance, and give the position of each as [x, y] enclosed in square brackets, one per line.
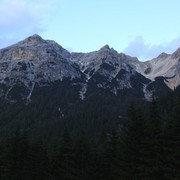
[63, 165]
[133, 142]
[153, 155]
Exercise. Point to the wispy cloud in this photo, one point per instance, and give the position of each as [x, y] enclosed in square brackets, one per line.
[21, 18]
[144, 50]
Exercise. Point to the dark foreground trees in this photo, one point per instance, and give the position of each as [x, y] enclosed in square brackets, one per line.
[145, 145]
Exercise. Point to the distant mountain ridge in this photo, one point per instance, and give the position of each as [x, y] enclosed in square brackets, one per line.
[38, 62]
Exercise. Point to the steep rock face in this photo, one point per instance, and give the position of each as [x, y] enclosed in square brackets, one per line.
[109, 69]
[33, 61]
[166, 66]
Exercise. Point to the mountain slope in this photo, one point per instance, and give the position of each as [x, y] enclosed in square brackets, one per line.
[165, 65]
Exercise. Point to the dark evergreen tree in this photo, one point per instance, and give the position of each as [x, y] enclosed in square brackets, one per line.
[133, 142]
[114, 158]
[101, 163]
[63, 165]
[38, 161]
[81, 155]
[153, 155]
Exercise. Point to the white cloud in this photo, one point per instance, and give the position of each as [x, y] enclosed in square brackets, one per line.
[144, 50]
[21, 18]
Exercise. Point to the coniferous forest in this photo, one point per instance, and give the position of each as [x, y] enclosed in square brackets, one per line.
[100, 139]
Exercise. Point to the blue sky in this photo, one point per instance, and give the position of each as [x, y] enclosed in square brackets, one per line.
[137, 27]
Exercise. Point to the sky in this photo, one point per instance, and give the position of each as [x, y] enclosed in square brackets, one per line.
[139, 28]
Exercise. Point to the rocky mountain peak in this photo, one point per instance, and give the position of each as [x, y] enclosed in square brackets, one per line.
[163, 55]
[34, 48]
[34, 39]
[107, 53]
[34, 61]
[105, 48]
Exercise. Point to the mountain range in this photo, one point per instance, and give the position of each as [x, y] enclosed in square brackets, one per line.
[44, 87]
[35, 62]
